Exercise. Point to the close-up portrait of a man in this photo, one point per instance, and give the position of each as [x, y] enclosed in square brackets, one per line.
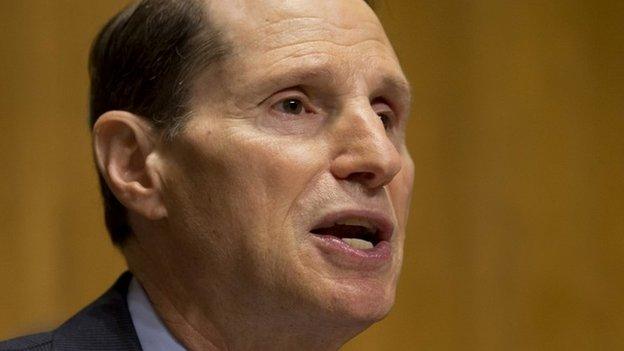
[253, 166]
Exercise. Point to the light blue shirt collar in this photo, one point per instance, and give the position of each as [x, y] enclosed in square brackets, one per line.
[152, 332]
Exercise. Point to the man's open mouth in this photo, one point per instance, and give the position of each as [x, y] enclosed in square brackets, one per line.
[359, 232]
[358, 235]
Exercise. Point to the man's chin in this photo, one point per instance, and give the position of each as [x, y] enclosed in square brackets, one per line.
[363, 306]
[362, 297]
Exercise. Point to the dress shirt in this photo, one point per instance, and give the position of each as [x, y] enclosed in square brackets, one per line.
[152, 332]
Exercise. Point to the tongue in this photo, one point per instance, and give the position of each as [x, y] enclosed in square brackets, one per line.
[358, 243]
[350, 234]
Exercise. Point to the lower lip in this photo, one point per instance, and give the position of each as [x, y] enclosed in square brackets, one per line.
[345, 255]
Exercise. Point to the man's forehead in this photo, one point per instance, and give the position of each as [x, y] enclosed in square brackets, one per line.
[297, 39]
[253, 18]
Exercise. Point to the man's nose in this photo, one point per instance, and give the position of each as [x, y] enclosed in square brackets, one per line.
[366, 154]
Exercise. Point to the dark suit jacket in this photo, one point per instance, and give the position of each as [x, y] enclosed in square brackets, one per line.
[103, 325]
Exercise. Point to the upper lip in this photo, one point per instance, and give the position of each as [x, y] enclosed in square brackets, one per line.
[381, 222]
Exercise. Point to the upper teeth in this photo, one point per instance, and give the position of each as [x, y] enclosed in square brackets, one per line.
[358, 222]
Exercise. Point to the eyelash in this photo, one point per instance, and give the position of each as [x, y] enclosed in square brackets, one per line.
[387, 121]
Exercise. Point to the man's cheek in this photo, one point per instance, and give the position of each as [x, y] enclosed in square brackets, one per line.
[400, 192]
[287, 169]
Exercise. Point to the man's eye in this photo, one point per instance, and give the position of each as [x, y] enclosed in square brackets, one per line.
[386, 120]
[291, 106]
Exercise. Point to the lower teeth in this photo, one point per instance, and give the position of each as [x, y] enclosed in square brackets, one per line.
[358, 243]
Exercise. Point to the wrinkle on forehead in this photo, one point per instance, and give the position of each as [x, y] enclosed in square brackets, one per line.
[247, 21]
[342, 39]
[287, 35]
[272, 10]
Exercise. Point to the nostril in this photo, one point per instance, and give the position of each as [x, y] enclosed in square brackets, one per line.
[361, 176]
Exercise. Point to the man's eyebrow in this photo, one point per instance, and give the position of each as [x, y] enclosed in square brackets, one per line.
[291, 78]
[391, 84]
[301, 74]
[400, 89]
[397, 83]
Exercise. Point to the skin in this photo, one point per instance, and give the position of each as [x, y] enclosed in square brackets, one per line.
[307, 116]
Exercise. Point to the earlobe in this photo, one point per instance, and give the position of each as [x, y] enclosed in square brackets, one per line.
[125, 153]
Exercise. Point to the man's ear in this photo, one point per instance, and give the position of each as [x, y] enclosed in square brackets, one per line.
[125, 153]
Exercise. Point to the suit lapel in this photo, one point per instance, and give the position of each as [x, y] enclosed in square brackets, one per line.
[103, 325]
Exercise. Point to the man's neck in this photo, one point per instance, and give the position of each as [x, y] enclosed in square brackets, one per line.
[224, 323]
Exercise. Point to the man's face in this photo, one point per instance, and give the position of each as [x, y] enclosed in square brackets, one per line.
[302, 128]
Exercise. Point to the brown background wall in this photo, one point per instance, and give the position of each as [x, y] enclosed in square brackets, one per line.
[516, 239]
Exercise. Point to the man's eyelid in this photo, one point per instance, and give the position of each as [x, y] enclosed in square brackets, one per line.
[387, 107]
[295, 90]
[384, 107]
